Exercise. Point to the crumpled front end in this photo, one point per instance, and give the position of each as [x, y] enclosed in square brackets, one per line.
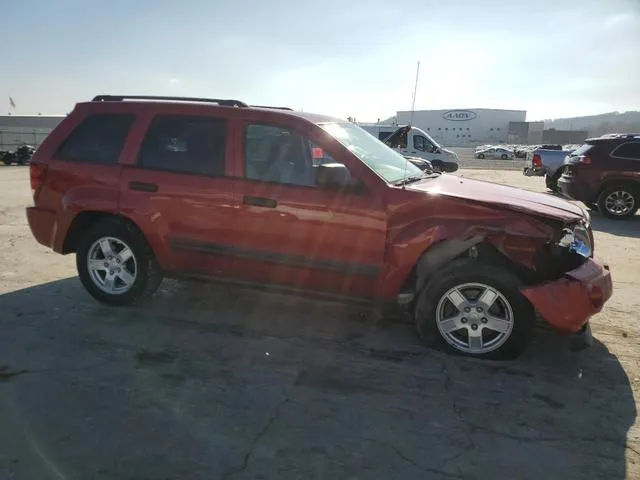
[568, 302]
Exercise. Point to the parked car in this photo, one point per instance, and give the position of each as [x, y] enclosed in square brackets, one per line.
[21, 156]
[143, 187]
[495, 153]
[604, 173]
[7, 157]
[413, 142]
[546, 163]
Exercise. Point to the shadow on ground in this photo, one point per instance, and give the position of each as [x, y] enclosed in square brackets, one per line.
[623, 228]
[206, 381]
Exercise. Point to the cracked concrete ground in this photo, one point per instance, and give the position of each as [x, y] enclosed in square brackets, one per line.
[209, 381]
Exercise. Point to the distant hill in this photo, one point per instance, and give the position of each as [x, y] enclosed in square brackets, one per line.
[614, 122]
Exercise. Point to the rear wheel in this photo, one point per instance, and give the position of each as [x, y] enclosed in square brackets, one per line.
[116, 265]
[504, 156]
[619, 201]
[475, 310]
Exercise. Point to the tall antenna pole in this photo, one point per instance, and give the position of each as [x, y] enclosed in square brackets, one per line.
[415, 90]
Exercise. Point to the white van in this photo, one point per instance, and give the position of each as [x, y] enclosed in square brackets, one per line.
[414, 142]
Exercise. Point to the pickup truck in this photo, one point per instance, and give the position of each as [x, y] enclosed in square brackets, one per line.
[546, 163]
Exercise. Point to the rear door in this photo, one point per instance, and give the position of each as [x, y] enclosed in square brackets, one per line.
[626, 159]
[177, 190]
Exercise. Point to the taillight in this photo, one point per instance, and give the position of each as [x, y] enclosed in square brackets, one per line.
[536, 161]
[37, 174]
[582, 159]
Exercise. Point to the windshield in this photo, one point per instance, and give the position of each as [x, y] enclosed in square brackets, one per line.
[387, 163]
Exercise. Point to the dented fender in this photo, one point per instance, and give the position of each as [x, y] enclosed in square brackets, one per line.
[426, 238]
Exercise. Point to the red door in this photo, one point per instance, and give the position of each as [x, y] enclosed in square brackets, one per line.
[177, 191]
[292, 233]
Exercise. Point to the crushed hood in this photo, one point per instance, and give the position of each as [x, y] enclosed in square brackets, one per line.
[538, 204]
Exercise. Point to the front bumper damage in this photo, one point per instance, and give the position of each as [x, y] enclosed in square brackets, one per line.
[568, 303]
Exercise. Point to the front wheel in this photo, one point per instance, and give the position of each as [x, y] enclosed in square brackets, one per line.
[116, 265]
[551, 181]
[481, 156]
[504, 156]
[619, 201]
[476, 310]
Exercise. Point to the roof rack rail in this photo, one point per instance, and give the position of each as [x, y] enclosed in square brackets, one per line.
[120, 98]
[277, 108]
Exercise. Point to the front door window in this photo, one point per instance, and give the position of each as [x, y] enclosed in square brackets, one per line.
[278, 155]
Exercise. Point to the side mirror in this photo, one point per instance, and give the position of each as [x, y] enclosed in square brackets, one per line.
[334, 176]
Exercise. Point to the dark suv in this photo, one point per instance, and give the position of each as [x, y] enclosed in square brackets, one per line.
[145, 187]
[604, 173]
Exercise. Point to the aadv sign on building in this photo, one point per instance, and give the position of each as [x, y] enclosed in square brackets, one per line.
[459, 115]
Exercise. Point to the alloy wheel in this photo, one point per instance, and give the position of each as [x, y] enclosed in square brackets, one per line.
[112, 265]
[619, 203]
[474, 318]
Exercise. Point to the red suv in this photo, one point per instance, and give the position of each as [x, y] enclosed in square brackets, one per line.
[604, 173]
[145, 187]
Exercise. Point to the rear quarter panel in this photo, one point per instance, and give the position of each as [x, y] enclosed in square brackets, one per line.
[73, 187]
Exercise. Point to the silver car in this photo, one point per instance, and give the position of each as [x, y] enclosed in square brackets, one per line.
[495, 153]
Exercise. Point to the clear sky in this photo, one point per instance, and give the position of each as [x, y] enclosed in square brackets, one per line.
[553, 58]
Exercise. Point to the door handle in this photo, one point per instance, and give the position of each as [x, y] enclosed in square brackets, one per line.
[259, 201]
[143, 186]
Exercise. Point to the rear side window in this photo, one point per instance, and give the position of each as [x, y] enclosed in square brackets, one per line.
[98, 139]
[628, 150]
[582, 150]
[184, 144]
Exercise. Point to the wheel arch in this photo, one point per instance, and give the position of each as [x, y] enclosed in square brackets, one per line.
[484, 249]
[626, 181]
[85, 220]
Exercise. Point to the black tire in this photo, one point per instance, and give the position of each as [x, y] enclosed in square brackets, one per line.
[504, 156]
[552, 181]
[633, 191]
[481, 156]
[148, 274]
[466, 271]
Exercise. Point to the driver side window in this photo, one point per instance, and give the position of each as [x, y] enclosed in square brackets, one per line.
[279, 155]
[420, 143]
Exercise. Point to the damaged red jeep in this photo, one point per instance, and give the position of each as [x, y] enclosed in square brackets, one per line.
[145, 187]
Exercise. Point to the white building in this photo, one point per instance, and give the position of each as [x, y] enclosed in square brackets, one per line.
[462, 127]
[16, 130]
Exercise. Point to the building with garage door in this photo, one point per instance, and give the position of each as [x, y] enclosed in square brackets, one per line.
[463, 127]
[16, 130]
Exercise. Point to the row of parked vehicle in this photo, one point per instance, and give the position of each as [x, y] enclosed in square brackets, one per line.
[21, 156]
[505, 152]
[603, 173]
